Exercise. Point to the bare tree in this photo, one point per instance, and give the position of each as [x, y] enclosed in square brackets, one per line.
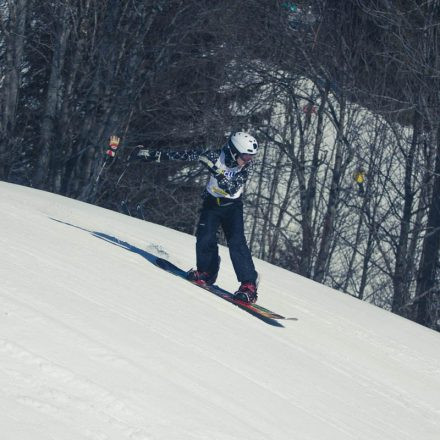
[13, 16]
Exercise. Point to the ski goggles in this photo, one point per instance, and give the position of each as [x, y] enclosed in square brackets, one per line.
[245, 157]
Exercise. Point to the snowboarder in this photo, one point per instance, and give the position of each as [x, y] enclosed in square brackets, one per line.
[222, 206]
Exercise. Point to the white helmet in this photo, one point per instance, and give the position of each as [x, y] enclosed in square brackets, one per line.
[242, 143]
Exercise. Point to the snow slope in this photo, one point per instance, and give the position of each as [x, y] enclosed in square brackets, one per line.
[97, 343]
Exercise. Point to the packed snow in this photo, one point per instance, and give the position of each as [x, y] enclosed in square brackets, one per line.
[98, 343]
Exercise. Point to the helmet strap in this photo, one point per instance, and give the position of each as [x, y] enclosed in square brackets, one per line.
[232, 150]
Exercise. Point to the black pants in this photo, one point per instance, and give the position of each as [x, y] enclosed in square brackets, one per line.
[230, 218]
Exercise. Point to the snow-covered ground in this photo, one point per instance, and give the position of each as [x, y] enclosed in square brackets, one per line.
[98, 343]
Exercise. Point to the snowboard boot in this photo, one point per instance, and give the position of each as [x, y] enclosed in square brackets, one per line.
[247, 292]
[201, 278]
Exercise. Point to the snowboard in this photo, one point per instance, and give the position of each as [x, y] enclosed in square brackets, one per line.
[254, 309]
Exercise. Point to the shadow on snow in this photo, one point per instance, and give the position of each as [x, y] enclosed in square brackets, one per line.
[151, 258]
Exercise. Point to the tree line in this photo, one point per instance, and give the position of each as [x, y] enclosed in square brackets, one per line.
[342, 95]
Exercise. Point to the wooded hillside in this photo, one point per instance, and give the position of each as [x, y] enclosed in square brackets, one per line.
[343, 97]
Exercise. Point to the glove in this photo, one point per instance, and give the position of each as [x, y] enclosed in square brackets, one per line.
[113, 144]
[142, 153]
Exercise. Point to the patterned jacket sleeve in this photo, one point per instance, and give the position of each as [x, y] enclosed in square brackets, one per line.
[183, 155]
[229, 184]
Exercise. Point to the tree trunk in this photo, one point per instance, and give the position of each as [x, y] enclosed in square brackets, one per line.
[308, 191]
[48, 135]
[400, 278]
[332, 204]
[14, 32]
[427, 291]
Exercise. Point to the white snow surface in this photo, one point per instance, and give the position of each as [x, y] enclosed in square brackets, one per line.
[98, 343]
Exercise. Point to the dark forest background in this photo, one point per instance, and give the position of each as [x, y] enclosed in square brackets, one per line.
[342, 95]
